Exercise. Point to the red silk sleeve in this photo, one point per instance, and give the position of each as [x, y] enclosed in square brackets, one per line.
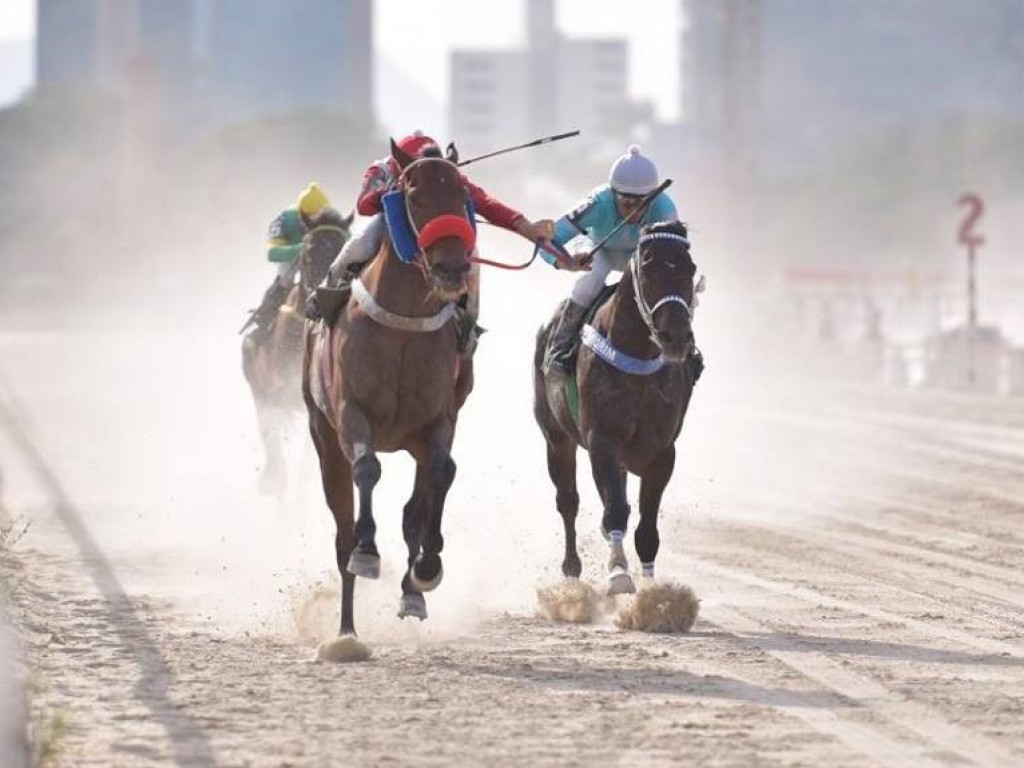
[491, 209]
[375, 184]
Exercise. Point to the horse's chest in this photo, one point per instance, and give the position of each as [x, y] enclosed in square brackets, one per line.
[644, 416]
[401, 381]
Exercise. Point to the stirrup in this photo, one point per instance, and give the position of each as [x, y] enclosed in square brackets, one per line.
[557, 364]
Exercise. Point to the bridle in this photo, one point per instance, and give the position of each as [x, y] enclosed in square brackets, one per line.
[646, 310]
[320, 228]
[440, 226]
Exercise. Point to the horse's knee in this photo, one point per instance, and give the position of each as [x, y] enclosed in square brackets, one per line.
[568, 502]
[366, 471]
[442, 471]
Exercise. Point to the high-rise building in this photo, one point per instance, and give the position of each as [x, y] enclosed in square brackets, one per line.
[552, 84]
[84, 43]
[197, 64]
[784, 84]
[489, 93]
[267, 57]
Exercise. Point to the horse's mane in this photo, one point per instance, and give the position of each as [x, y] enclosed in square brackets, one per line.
[329, 217]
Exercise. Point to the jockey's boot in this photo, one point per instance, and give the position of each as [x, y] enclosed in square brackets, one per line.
[695, 364]
[467, 332]
[268, 309]
[558, 360]
[467, 310]
[332, 294]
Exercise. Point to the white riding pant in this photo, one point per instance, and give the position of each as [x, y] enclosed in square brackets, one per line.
[285, 274]
[590, 284]
[363, 245]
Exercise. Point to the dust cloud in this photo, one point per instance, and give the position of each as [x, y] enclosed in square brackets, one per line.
[123, 355]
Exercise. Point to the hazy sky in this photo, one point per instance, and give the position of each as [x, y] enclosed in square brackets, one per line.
[417, 36]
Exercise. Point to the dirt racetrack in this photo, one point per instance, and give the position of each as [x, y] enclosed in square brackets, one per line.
[857, 552]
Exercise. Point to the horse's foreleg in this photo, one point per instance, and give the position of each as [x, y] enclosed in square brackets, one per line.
[610, 479]
[562, 470]
[436, 460]
[413, 603]
[356, 441]
[336, 475]
[652, 486]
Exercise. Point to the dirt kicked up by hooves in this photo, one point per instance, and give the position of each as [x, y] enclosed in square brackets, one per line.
[343, 649]
[664, 607]
[660, 607]
[571, 601]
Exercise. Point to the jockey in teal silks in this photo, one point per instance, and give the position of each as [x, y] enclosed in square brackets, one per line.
[632, 177]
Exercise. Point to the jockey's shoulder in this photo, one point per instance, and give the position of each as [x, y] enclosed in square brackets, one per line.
[287, 225]
[596, 199]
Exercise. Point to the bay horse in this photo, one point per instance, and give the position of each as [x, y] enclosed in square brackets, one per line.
[272, 366]
[385, 375]
[627, 401]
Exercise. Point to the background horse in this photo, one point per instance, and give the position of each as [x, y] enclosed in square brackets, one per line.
[628, 421]
[273, 366]
[387, 376]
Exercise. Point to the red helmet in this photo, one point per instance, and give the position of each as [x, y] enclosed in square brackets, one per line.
[415, 143]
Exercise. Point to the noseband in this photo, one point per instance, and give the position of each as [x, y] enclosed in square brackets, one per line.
[440, 226]
[646, 310]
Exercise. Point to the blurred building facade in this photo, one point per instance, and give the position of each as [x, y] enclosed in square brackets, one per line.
[551, 85]
[266, 57]
[776, 85]
[201, 64]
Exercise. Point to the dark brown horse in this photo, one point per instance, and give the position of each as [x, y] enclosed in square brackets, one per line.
[272, 365]
[387, 376]
[633, 391]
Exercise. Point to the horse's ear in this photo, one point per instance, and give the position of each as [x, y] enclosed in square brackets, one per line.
[346, 223]
[451, 153]
[401, 156]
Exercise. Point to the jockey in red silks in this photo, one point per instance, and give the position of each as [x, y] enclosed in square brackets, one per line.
[379, 179]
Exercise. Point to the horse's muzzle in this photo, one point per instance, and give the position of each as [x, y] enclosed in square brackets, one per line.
[450, 280]
[675, 345]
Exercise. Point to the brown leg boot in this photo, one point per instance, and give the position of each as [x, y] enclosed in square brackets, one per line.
[558, 361]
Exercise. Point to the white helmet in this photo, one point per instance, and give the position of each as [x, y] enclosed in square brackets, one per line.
[633, 174]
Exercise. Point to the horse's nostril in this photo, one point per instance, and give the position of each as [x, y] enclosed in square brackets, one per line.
[451, 271]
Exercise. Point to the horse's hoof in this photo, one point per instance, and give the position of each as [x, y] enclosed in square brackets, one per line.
[413, 606]
[424, 578]
[364, 564]
[620, 583]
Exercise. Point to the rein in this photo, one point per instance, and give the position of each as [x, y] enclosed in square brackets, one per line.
[328, 228]
[551, 247]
